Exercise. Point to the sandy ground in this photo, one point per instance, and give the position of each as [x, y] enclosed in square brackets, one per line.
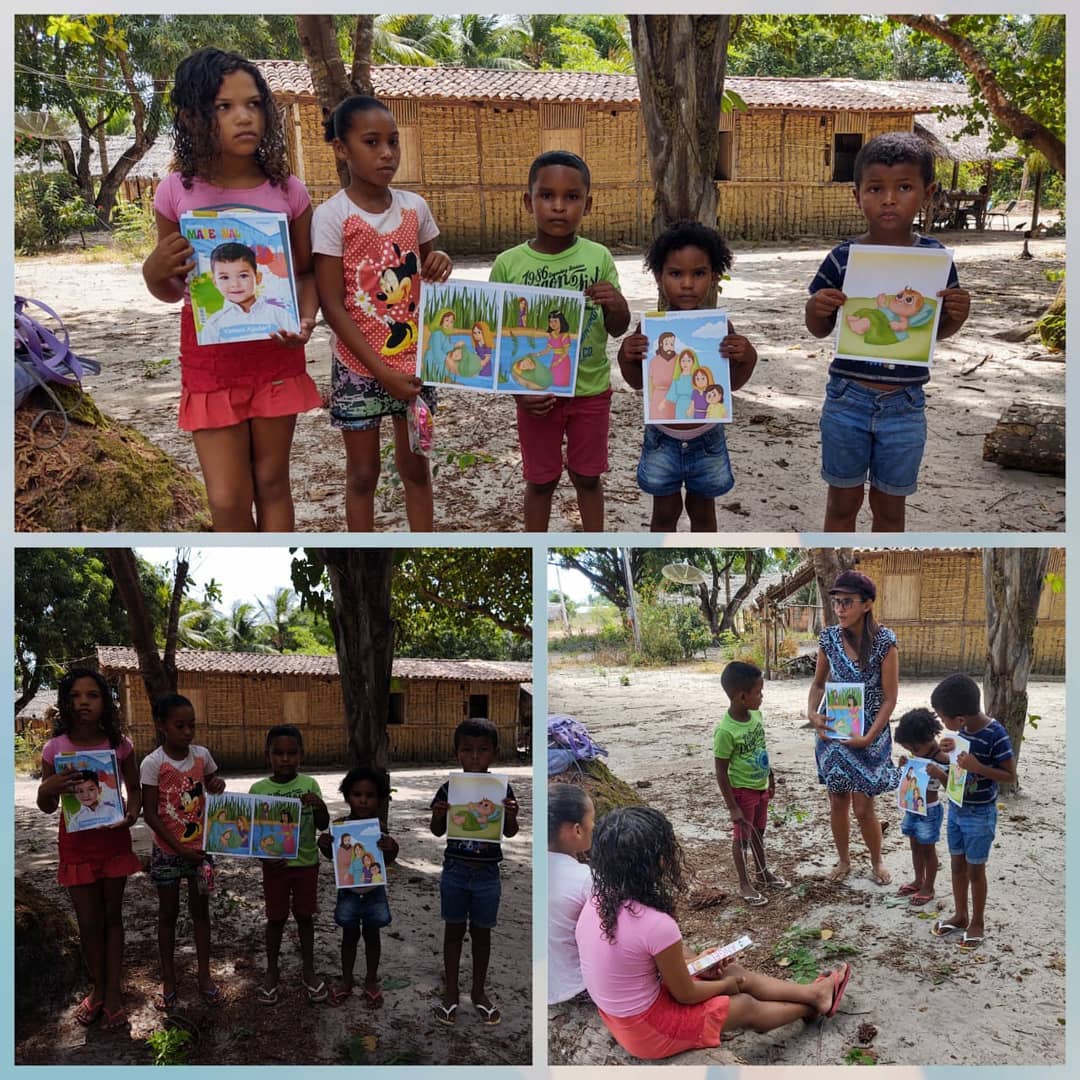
[242, 1033]
[774, 440]
[910, 986]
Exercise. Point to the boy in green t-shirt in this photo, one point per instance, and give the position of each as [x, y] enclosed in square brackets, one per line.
[742, 771]
[292, 880]
[557, 258]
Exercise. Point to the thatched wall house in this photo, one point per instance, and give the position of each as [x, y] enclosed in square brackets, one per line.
[933, 598]
[238, 696]
[468, 136]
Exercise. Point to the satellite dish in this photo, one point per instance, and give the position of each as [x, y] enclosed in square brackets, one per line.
[684, 573]
[41, 125]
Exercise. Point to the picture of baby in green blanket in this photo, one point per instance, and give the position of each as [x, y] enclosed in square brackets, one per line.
[892, 318]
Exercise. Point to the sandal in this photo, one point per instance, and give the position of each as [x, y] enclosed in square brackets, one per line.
[214, 996]
[373, 998]
[919, 899]
[267, 997]
[490, 1013]
[944, 929]
[87, 1011]
[910, 889]
[316, 993]
[966, 943]
[164, 1002]
[338, 995]
[757, 900]
[445, 1014]
[774, 882]
[113, 1020]
[840, 979]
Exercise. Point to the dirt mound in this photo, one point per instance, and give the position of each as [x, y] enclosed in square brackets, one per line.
[102, 476]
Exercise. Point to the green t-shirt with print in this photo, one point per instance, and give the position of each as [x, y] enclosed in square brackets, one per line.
[582, 264]
[307, 853]
[742, 744]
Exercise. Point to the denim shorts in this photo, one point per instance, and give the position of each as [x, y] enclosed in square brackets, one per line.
[971, 831]
[701, 465]
[469, 892]
[871, 433]
[924, 830]
[366, 908]
[359, 402]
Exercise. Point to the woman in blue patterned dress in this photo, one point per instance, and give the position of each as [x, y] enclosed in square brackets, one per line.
[853, 771]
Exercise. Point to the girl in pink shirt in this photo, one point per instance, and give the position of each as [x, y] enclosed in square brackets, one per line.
[240, 400]
[635, 963]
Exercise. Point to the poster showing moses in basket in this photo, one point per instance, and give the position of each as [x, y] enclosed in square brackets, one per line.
[243, 287]
[684, 376]
[540, 340]
[255, 826]
[476, 807]
[892, 310]
[458, 334]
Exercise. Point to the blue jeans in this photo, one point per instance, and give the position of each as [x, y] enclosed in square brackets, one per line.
[871, 433]
[924, 830]
[971, 831]
[701, 465]
[365, 908]
[469, 892]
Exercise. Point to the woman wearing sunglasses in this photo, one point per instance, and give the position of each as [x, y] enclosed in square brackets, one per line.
[856, 650]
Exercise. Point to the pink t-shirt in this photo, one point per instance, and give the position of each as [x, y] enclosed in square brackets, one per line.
[62, 744]
[621, 976]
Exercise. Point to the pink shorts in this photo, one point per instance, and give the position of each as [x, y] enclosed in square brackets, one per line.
[582, 421]
[224, 408]
[755, 808]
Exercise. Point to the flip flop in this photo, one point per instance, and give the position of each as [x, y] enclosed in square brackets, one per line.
[884, 878]
[267, 997]
[910, 889]
[775, 883]
[164, 1002]
[967, 943]
[445, 1014]
[214, 996]
[757, 900]
[840, 985]
[316, 993]
[338, 995]
[87, 1011]
[944, 929]
[114, 1020]
[373, 998]
[921, 898]
[490, 1013]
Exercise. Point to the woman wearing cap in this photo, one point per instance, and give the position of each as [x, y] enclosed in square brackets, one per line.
[853, 771]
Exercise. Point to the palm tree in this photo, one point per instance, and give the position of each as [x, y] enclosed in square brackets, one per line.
[239, 631]
[536, 40]
[484, 41]
[278, 622]
[415, 40]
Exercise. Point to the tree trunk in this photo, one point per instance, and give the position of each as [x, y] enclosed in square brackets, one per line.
[680, 61]
[829, 563]
[158, 679]
[1028, 435]
[364, 637]
[754, 564]
[363, 39]
[1036, 198]
[1013, 581]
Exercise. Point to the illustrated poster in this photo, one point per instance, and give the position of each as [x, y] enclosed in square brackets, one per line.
[254, 826]
[954, 787]
[358, 861]
[95, 803]
[476, 807]
[459, 334]
[911, 794]
[685, 378]
[843, 705]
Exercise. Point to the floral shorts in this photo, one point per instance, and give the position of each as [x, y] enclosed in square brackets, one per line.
[359, 402]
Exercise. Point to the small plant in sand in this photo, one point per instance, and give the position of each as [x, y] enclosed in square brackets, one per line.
[170, 1046]
[804, 950]
[860, 1055]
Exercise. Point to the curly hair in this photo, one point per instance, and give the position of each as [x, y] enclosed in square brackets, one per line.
[916, 728]
[110, 714]
[684, 234]
[379, 780]
[635, 859]
[194, 123]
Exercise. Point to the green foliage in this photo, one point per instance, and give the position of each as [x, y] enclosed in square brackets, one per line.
[802, 951]
[28, 747]
[134, 229]
[659, 637]
[858, 1055]
[48, 208]
[170, 1046]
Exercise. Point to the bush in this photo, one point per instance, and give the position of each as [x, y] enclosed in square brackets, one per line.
[134, 228]
[48, 208]
[671, 634]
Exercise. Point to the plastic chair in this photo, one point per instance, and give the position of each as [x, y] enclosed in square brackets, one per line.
[1003, 214]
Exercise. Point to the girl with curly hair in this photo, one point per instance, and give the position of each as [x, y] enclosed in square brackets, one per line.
[96, 863]
[239, 399]
[635, 962]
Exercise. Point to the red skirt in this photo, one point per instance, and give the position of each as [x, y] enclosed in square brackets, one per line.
[86, 857]
[668, 1027]
[223, 408]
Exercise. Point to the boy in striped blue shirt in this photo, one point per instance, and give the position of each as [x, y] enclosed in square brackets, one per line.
[989, 761]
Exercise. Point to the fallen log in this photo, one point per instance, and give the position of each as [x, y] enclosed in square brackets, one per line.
[1030, 436]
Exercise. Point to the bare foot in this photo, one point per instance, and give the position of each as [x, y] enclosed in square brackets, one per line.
[840, 871]
[880, 876]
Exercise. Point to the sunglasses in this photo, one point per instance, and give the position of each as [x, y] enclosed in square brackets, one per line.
[844, 602]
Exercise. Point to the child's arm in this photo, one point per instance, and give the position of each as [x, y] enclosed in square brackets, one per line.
[214, 783]
[434, 265]
[52, 786]
[743, 357]
[325, 844]
[439, 809]
[307, 296]
[330, 282]
[389, 847]
[320, 813]
[632, 352]
[616, 310]
[130, 771]
[683, 987]
[821, 311]
[510, 822]
[1002, 774]
[166, 267]
[726, 790]
[955, 305]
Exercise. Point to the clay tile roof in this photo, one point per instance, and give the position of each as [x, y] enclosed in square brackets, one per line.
[115, 659]
[291, 78]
